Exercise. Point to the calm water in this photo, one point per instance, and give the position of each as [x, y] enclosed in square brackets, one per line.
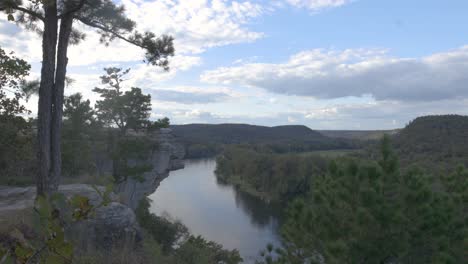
[216, 211]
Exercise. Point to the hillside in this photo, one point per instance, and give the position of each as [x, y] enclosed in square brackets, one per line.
[358, 134]
[242, 133]
[434, 141]
[204, 140]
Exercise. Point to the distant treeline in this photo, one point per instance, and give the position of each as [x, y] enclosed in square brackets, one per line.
[271, 176]
[204, 140]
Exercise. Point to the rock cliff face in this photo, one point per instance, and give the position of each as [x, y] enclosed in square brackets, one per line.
[168, 156]
[115, 224]
[111, 226]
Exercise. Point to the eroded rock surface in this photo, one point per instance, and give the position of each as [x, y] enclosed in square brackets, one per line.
[168, 156]
[114, 225]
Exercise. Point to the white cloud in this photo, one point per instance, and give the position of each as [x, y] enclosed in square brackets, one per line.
[328, 74]
[197, 24]
[317, 5]
[143, 75]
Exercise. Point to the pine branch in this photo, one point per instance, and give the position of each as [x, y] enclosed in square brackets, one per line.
[108, 30]
[25, 10]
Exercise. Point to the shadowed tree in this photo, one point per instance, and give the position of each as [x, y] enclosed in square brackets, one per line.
[78, 113]
[130, 109]
[54, 20]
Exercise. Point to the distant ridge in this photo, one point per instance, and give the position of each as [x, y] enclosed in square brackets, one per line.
[208, 140]
[243, 133]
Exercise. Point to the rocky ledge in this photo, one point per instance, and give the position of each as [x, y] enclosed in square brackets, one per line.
[114, 224]
[168, 156]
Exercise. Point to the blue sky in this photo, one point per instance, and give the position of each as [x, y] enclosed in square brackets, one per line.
[328, 64]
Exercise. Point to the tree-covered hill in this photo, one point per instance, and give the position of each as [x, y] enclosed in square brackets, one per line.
[243, 133]
[435, 141]
[204, 140]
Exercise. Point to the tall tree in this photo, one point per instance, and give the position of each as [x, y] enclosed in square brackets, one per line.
[54, 19]
[129, 109]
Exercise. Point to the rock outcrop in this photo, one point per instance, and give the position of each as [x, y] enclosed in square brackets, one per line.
[168, 156]
[114, 225]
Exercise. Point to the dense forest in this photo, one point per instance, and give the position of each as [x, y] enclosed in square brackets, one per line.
[383, 205]
[363, 211]
[434, 142]
[273, 177]
[205, 140]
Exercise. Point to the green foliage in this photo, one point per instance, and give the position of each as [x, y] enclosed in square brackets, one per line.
[435, 143]
[77, 137]
[12, 73]
[160, 123]
[130, 157]
[197, 250]
[16, 150]
[270, 176]
[370, 212]
[12, 70]
[205, 140]
[78, 114]
[130, 109]
[165, 232]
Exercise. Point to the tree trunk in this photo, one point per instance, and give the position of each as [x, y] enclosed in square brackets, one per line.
[57, 110]
[49, 43]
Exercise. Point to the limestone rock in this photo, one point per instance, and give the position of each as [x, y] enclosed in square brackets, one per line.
[167, 157]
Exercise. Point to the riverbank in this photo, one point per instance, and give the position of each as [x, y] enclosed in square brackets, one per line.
[217, 211]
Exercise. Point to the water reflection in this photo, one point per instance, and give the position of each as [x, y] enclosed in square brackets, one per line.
[217, 211]
[261, 213]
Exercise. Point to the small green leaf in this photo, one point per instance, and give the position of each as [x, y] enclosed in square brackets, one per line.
[11, 17]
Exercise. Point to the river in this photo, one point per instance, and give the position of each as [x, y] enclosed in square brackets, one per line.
[216, 211]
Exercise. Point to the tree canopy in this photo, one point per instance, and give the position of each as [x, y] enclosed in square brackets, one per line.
[370, 212]
[129, 109]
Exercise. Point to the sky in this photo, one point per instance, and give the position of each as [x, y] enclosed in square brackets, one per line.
[326, 64]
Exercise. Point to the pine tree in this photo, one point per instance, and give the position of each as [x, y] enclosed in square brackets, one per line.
[57, 18]
[129, 109]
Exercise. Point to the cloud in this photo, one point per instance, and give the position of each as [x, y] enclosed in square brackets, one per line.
[188, 97]
[328, 74]
[197, 24]
[317, 5]
[143, 75]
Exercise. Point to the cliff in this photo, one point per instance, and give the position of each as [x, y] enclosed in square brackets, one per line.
[115, 223]
[168, 156]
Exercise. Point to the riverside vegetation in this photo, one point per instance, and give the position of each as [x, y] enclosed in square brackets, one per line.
[359, 210]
